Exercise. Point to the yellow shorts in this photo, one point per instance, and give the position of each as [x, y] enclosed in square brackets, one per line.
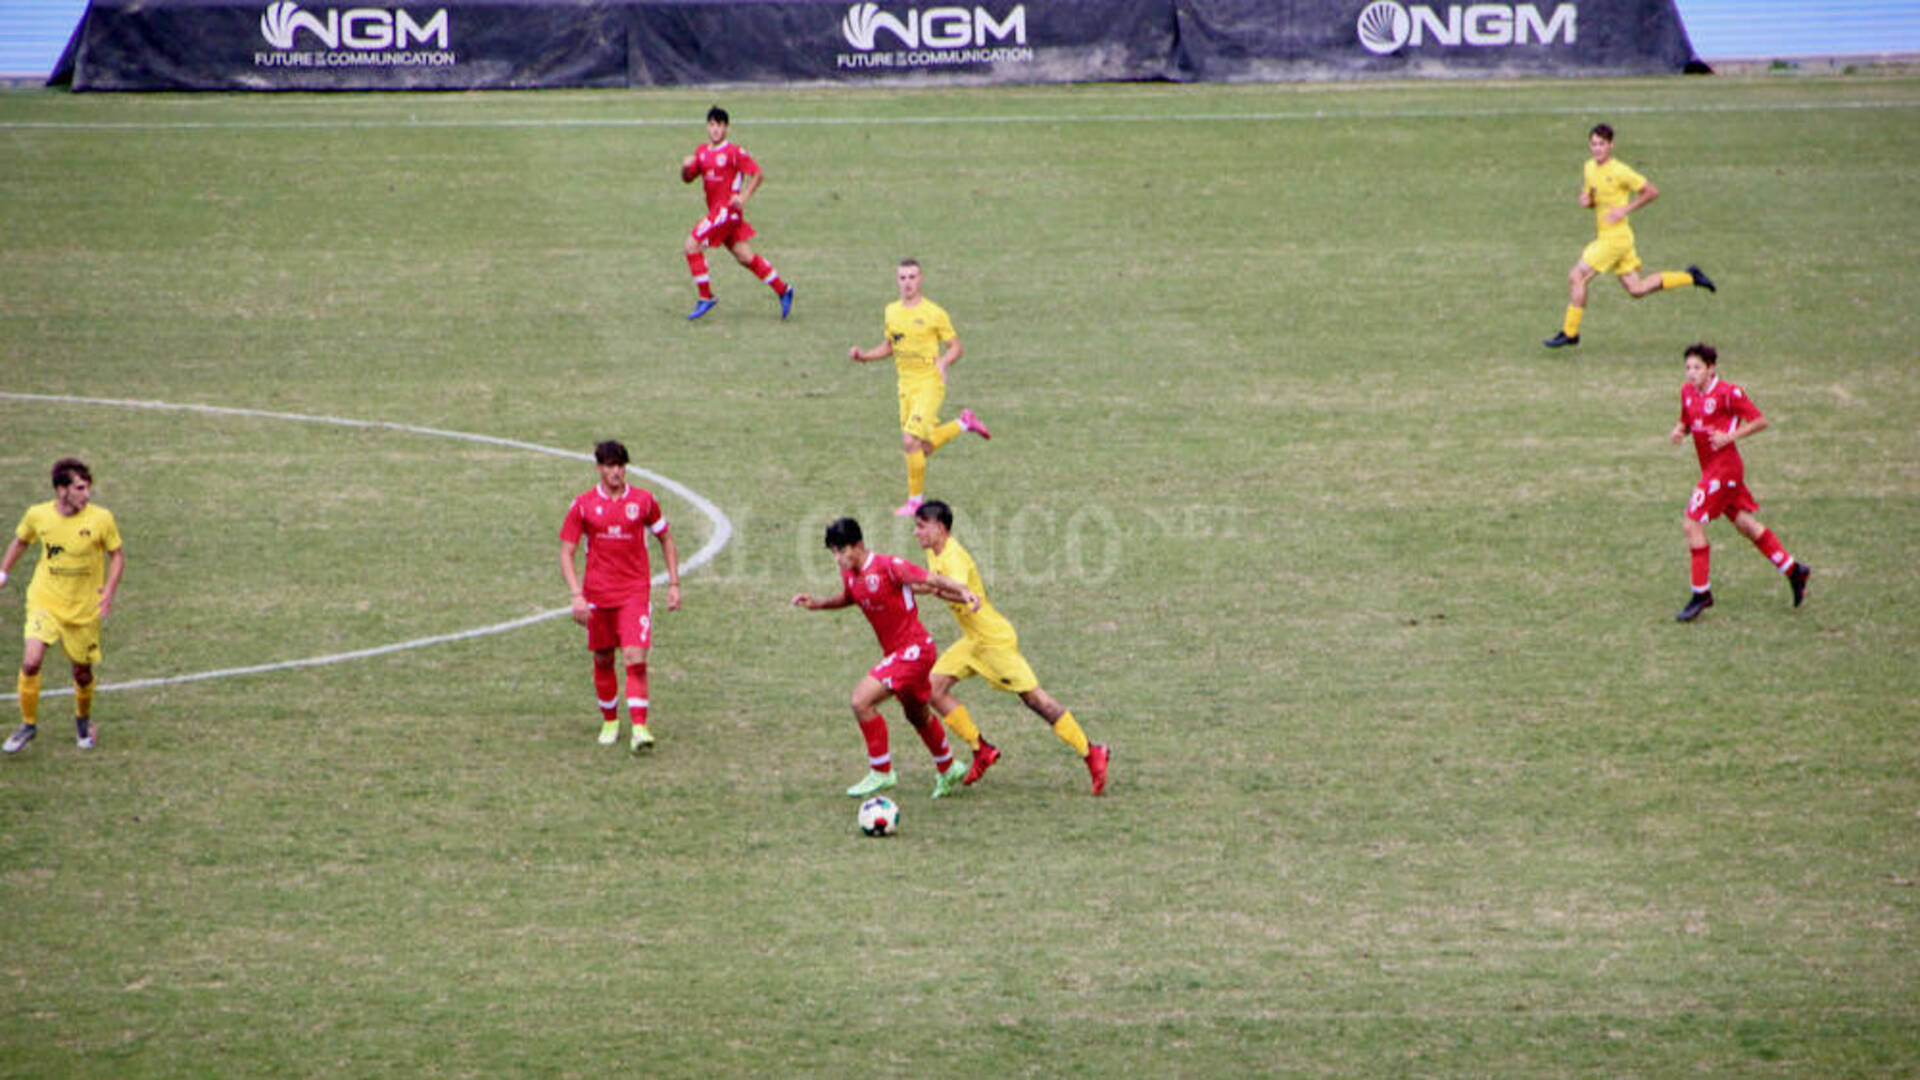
[920, 407]
[1001, 665]
[79, 640]
[1612, 252]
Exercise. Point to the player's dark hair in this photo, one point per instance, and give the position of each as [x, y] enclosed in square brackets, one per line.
[1605, 131]
[935, 510]
[915, 263]
[720, 114]
[843, 533]
[67, 468]
[611, 452]
[1708, 355]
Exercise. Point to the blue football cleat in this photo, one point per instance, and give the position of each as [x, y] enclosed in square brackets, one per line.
[786, 303]
[701, 308]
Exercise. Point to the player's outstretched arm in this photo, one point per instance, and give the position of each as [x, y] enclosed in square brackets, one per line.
[949, 590]
[813, 603]
[15, 548]
[689, 172]
[863, 356]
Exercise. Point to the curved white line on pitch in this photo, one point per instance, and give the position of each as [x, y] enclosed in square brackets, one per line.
[722, 530]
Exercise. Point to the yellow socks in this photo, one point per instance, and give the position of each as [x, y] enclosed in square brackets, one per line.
[29, 698]
[961, 724]
[1068, 729]
[1673, 279]
[83, 701]
[946, 433]
[916, 474]
[1571, 327]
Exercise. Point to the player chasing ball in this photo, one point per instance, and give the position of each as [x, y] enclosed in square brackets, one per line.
[884, 586]
[615, 603]
[1612, 190]
[70, 596]
[923, 344]
[730, 176]
[1718, 414]
[990, 648]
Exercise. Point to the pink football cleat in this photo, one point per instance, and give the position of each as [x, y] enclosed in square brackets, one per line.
[970, 422]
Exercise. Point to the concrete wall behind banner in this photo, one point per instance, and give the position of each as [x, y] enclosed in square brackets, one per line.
[498, 44]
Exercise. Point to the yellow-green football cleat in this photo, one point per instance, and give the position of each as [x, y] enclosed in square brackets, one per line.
[609, 733]
[950, 781]
[642, 738]
[874, 782]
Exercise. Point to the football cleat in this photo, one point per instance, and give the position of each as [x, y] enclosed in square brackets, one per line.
[1561, 339]
[1700, 602]
[786, 303]
[642, 739]
[970, 422]
[983, 760]
[1701, 279]
[1097, 756]
[873, 783]
[21, 736]
[609, 732]
[907, 508]
[83, 728]
[947, 780]
[700, 308]
[1797, 579]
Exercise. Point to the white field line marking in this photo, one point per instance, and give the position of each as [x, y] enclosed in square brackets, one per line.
[1011, 118]
[722, 531]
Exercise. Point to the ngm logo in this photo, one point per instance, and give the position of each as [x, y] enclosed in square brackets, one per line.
[1387, 25]
[355, 28]
[934, 28]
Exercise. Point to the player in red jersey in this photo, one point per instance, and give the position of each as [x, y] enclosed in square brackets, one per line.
[731, 177]
[616, 602]
[1718, 414]
[884, 587]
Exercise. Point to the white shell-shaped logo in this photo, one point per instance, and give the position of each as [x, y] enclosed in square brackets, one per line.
[1384, 26]
[277, 25]
[858, 26]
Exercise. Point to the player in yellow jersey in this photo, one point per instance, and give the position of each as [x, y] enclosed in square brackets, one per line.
[923, 344]
[71, 594]
[1612, 190]
[988, 647]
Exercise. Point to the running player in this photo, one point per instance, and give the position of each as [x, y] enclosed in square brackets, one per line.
[731, 177]
[923, 344]
[884, 587]
[1718, 413]
[71, 595]
[988, 647]
[616, 602]
[1612, 190]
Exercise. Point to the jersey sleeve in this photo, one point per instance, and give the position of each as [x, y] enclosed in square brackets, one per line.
[654, 519]
[572, 525]
[905, 573]
[110, 533]
[1631, 180]
[1743, 406]
[944, 328]
[25, 530]
[744, 162]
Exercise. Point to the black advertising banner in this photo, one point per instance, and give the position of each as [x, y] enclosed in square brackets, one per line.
[1307, 39]
[866, 41]
[502, 44]
[303, 45]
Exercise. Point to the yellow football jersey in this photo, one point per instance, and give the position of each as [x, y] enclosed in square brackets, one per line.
[73, 558]
[1613, 184]
[918, 334]
[987, 625]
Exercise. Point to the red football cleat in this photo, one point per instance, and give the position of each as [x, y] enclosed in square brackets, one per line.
[1097, 767]
[983, 760]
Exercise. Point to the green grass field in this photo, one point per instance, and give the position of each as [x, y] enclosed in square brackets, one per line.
[1372, 595]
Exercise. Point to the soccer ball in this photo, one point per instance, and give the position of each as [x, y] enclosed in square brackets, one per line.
[879, 817]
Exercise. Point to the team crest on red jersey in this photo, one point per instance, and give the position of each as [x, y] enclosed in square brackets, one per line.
[873, 582]
[1708, 407]
[633, 511]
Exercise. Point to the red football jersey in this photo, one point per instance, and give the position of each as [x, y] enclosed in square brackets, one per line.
[616, 533]
[883, 590]
[1722, 406]
[721, 168]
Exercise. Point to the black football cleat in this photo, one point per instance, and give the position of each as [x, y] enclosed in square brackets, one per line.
[1700, 602]
[1560, 340]
[1797, 579]
[1701, 279]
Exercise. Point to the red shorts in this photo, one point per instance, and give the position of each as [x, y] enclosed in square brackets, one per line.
[729, 232]
[908, 673]
[1714, 497]
[629, 626]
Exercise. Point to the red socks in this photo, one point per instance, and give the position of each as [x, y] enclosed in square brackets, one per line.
[697, 266]
[1770, 547]
[764, 270]
[874, 730]
[606, 686]
[1700, 558]
[637, 693]
[934, 734]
